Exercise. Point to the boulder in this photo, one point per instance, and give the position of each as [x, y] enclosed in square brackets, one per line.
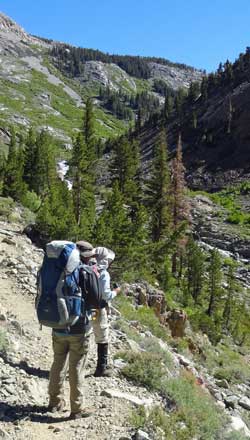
[176, 320]
[245, 403]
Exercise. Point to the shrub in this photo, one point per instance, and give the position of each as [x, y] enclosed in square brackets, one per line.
[144, 368]
[6, 206]
[195, 414]
[194, 407]
[144, 315]
[31, 201]
[201, 321]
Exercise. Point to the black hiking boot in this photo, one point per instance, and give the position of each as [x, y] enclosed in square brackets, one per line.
[102, 368]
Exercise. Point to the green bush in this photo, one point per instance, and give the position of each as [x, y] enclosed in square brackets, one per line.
[6, 206]
[193, 413]
[195, 407]
[31, 201]
[200, 321]
[233, 373]
[144, 315]
[144, 368]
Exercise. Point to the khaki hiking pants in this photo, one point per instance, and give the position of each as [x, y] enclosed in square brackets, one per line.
[101, 327]
[72, 349]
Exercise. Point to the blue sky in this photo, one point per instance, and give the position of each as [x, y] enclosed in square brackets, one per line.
[196, 32]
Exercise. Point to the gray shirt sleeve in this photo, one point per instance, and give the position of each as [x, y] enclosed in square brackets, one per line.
[108, 294]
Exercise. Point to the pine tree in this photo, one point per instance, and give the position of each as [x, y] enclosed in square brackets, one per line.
[214, 283]
[55, 219]
[159, 195]
[83, 188]
[195, 270]
[44, 171]
[180, 206]
[168, 106]
[30, 159]
[13, 185]
[113, 227]
[232, 290]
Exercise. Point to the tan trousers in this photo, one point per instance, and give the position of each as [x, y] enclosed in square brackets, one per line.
[73, 348]
[101, 327]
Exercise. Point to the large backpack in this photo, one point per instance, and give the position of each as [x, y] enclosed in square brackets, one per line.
[59, 301]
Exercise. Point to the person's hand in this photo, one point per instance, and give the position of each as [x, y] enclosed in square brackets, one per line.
[117, 290]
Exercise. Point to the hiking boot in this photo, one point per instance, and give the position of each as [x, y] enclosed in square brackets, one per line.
[57, 408]
[102, 368]
[103, 372]
[85, 412]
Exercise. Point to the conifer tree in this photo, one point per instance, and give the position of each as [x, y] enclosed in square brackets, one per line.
[83, 189]
[30, 159]
[231, 290]
[195, 270]
[55, 219]
[159, 195]
[214, 283]
[44, 170]
[13, 185]
[168, 106]
[180, 206]
[126, 166]
[113, 227]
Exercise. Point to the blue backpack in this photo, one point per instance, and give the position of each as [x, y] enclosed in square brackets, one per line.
[59, 302]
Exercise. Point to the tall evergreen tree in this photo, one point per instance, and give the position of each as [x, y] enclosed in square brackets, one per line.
[113, 227]
[159, 195]
[55, 218]
[44, 170]
[180, 206]
[30, 159]
[231, 289]
[13, 185]
[195, 270]
[83, 188]
[214, 283]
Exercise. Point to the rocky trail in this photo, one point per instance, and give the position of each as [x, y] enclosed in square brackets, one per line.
[24, 370]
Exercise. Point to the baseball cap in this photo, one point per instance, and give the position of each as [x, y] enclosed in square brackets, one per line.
[85, 248]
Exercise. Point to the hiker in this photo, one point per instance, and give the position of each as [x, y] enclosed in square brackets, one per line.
[100, 324]
[73, 343]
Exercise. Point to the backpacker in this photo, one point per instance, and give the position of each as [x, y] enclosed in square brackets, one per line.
[59, 301]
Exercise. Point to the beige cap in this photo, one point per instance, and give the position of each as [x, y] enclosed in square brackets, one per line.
[85, 248]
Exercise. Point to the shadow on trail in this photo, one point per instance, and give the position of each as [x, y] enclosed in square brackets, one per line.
[32, 371]
[34, 413]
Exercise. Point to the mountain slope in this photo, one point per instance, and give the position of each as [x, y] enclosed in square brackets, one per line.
[214, 127]
[34, 92]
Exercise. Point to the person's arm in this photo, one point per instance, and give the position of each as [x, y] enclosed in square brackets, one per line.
[108, 294]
